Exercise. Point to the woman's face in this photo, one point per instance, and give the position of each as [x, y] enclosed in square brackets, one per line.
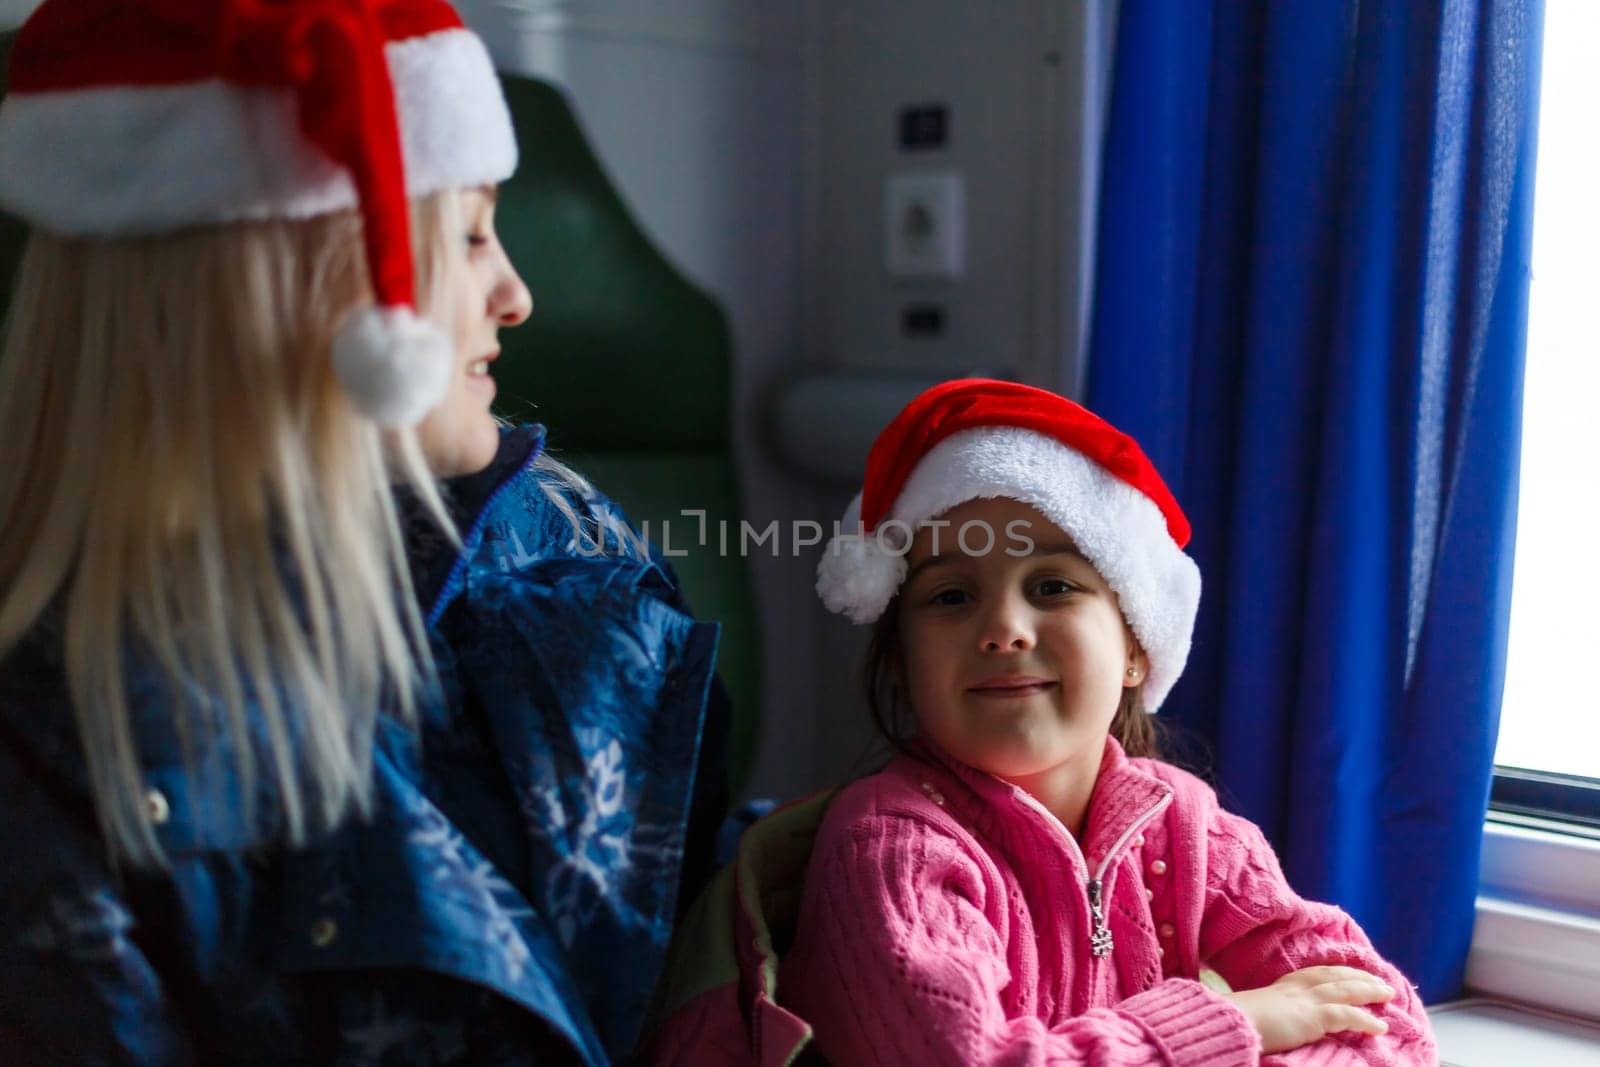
[1015, 650]
[460, 436]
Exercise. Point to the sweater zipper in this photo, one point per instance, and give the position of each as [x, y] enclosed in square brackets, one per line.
[1100, 941]
[1100, 938]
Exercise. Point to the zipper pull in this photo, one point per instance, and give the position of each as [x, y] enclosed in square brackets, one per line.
[1100, 939]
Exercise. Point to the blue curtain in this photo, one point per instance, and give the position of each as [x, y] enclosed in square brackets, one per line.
[1310, 307]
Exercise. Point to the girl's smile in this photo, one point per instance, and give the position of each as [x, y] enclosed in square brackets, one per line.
[1010, 686]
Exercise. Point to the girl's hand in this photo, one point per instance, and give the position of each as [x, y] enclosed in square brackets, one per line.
[1306, 1005]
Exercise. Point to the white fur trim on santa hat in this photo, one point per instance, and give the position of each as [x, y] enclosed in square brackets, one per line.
[129, 160]
[859, 572]
[1117, 528]
[394, 366]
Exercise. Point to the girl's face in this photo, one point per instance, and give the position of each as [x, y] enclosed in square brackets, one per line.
[460, 436]
[1014, 663]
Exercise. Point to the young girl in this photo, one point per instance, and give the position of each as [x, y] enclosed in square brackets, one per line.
[325, 737]
[1024, 883]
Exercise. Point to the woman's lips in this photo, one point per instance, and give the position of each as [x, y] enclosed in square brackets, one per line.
[1011, 685]
[480, 366]
[478, 371]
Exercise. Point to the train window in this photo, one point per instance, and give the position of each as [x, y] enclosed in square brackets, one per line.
[1548, 755]
[1536, 938]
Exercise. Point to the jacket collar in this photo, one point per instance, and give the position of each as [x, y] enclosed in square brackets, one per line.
[435, 557]
[1124, 795]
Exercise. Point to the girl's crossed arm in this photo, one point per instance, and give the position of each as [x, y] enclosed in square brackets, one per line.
[1300, 966]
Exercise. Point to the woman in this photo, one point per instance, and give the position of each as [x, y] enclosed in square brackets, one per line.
[306, 755]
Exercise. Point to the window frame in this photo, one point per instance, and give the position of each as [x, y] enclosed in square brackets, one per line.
[1521, 793]
[1536, 939]
[1536, 934]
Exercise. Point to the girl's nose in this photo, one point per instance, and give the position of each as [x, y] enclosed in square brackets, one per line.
[1006, 628]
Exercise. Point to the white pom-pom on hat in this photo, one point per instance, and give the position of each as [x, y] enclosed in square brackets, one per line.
[859, 572]
[394, 365]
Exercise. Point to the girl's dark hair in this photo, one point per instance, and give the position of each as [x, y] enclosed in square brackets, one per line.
[883, 679]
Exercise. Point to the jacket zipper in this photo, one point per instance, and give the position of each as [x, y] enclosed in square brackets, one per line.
[1100, 940]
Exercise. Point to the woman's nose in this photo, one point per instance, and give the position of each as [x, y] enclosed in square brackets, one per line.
[510, 302]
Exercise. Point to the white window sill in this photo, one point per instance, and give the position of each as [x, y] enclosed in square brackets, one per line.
[1487, 1033]
[1536, 940]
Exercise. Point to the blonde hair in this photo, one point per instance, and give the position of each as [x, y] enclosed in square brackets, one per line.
[186, 486]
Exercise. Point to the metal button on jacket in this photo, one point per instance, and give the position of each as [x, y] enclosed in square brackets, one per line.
[323, 931]
[155, 803]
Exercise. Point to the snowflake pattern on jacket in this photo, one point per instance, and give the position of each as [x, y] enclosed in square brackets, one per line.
[509, 901]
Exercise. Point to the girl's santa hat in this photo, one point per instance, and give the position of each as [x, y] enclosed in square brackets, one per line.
[134, 117]
[973, 438]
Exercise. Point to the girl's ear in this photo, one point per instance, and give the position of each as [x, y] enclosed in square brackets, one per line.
[1137, 667]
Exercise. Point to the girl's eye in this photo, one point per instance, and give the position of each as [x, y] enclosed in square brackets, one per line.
[948, 598]
[1053, 587]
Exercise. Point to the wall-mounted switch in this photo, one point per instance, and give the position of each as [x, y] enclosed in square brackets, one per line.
[924, 127]
[925, 226]
[922, 320]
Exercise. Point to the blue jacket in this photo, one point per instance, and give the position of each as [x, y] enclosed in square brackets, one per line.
[511, 899]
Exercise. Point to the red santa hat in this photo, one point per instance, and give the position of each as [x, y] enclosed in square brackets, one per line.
[974, 438]
[134, 117]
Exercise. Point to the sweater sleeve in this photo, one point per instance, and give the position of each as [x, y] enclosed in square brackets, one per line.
[1255, 929]
[902, 958]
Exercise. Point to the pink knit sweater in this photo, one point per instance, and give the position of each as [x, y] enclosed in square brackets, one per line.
[948, 918]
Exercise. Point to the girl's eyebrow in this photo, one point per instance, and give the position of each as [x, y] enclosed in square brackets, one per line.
[1060, 548]
[942, 558]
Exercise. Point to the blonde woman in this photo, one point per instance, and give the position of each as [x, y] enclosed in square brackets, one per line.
[337, 724]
